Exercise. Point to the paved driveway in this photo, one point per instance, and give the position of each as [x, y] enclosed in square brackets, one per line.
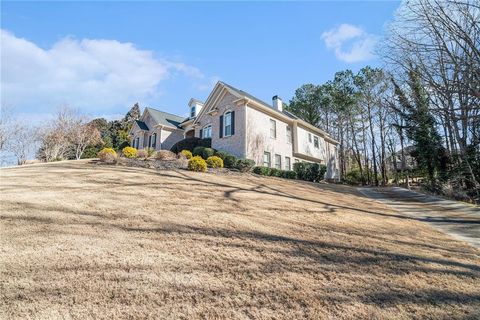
[460, 220]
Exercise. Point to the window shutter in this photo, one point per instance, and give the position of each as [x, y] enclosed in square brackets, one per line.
[201, 133]
[233, 122]
[221, 127]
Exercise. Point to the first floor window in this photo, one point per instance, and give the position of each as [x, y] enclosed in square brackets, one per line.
[227, 124]
[154, 140]
[315, 142]
[136, 144]
[266, 159]
[278, 161]
[288, 165]
[207, 132]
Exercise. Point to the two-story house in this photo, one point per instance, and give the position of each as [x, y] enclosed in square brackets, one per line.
[246, 127]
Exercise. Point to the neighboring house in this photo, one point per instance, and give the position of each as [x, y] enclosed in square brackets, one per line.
[247, 127]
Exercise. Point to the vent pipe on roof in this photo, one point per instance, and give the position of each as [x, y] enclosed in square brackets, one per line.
[277, 103]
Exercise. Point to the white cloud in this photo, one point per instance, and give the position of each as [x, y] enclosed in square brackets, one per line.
[91, 74]
[350, 43]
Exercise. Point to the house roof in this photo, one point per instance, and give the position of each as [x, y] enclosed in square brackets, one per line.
[142, 125]
[165, 118]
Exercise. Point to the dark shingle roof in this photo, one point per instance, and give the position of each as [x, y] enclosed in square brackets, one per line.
[249, 96]
[142, 125]
[166, 119]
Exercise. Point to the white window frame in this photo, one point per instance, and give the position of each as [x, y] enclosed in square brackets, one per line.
[316, 142]
[269, 162]
[278, 164]
[227, 125]
[288, 163]
[273, 129]
[207, 128]
[289, 134]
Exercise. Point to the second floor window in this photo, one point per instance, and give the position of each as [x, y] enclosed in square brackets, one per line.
[289, 134]
[310, 137]
[273, 129]
[278, 162]
[266, 159]
[227, 124]
[315, 142]
[192, 111]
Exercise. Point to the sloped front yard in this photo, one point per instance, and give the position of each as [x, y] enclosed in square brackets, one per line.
[82, 241]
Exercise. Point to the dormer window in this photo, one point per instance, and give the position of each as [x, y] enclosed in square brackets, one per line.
[193, 111]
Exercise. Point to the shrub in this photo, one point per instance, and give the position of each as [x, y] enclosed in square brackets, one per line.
[264, 171]
[203, 152]
[186, 153]
[142, 153]
[129, 152]
[215, 162]
[190, 144]
[166, 155]
[222, 154]
[150, 152]
[309, 171]
[274, 172]
[245, 165]
[107, 155]
[353, 177]
[289, 174]
[197, 164]
[230, 161]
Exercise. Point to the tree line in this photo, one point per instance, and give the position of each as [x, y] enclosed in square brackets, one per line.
[423, 105]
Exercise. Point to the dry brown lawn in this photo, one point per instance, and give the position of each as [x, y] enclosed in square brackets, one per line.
[80, 240]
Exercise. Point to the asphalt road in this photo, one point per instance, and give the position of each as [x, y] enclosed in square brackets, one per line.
[460, 220]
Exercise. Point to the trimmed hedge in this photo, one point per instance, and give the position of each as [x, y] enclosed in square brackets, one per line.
[203, 152]
[190, 143]
[214, 162]
[222, 154]
[197, 164]
[129, 152]
[230, 161]
[245, 165]
[187, 153]
[273, 172]
[309, 171]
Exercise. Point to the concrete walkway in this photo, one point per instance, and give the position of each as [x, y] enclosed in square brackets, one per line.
[460, 220]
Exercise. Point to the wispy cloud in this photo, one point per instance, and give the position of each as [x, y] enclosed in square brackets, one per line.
[96, 75]
[350, 43]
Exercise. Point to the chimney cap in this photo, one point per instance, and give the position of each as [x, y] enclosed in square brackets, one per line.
[275, 97]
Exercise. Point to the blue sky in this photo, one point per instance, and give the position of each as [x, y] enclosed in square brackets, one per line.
[101, 57]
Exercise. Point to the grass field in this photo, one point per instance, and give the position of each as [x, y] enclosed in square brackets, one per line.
[79, 240]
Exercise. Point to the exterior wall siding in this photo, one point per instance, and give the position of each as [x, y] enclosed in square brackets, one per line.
[260, 141]
[308, 148]
[234, 144]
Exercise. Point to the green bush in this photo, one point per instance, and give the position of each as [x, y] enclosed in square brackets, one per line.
[203, 152]
[264, 171]
[222, 154]
[353, 177]
[309, 171]
[107, 155]
[197, 164]
[190, 144]
[245, 165]
[274, 172]
[230, 161]
[90, 152]
[129, 152]
[289, 174]
[187, 154]
[214, 162]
